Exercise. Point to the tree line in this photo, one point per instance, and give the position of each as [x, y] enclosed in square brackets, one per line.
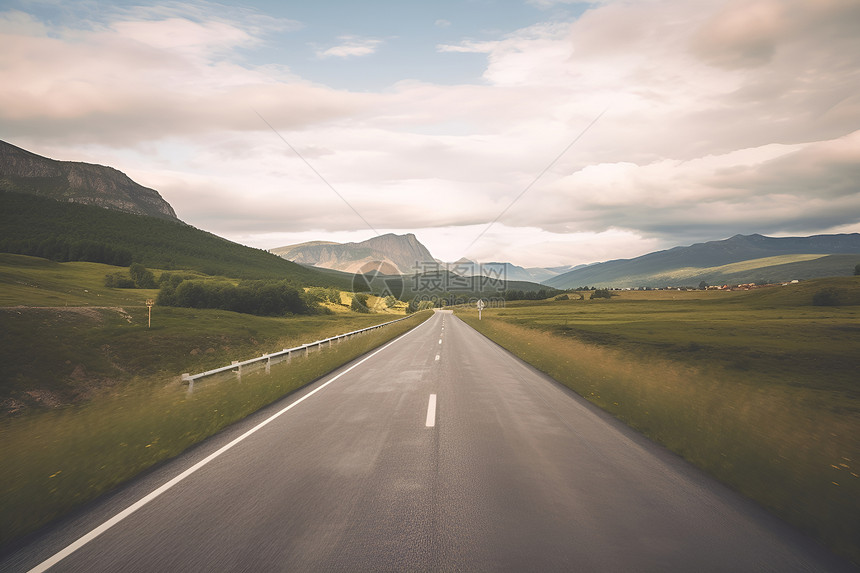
[64, 250]
[259, 297]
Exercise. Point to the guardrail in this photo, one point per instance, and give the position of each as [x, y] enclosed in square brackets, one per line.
[285, 355]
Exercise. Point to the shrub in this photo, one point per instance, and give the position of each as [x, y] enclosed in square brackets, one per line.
[118, 280]
[601, 293]
[826, 297]
[321, 294]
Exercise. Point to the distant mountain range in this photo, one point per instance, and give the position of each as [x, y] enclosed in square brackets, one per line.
[508, 271]
[740, 259]
[74, 182]
[392, 254]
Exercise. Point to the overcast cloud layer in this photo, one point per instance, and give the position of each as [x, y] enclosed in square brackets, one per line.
[718, 118]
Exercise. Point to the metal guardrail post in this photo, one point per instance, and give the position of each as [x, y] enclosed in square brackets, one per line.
[187, 379]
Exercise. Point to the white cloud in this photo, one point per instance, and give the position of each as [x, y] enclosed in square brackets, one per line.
[145, 80]
[468, 47]
[722, 117]
[768, 189]
[535, 247]
[351, 47]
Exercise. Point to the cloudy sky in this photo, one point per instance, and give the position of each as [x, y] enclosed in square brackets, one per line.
[540, 132]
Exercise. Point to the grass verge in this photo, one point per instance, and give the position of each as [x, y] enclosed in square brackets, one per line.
[55, 461]
[790, 442]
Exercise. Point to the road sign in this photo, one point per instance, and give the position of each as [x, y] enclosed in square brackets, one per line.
[480, 308]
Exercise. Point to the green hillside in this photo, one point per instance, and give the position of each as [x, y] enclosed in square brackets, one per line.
[739, 260]
[765, 270]
[777, 270]
[28, 223]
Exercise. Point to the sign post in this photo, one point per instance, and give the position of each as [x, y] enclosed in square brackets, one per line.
[149, 303]
[480, 308]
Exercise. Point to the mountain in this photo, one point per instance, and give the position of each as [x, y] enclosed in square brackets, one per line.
[507, 271]
[389, 254]
[740, 259]
[540, 274]
[73, 182]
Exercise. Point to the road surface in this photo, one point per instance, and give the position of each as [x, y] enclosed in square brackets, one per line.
[438, 452]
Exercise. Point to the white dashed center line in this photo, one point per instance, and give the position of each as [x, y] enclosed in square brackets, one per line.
[431, 411]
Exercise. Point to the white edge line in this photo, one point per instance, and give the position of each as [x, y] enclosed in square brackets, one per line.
[431, 411]
[86, 538]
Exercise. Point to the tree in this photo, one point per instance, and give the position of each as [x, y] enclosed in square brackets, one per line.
[322, 294]
[703, 285]
[142, 277]
[191, 294]
[857, 270]
[359, 303]
[601, 293]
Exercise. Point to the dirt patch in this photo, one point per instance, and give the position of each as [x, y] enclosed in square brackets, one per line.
[11, 406]
[45, 398]
[79, 374]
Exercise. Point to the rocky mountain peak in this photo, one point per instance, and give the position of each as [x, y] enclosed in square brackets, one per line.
[390, 252]
[24, 172]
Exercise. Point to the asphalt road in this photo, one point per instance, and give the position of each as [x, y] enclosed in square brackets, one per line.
[439, 452]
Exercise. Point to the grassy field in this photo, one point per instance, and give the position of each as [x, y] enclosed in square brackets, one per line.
[91, 395]
[66, 338]
[759, 388]
[33, 281]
